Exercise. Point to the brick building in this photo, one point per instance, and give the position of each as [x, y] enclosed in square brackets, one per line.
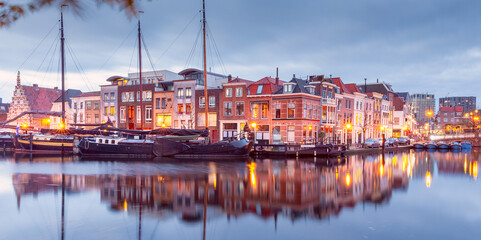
[32, 98]
[163, 104]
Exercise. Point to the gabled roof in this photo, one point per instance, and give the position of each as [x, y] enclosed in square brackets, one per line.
[353, 88]
[404, 95]
[451, 109]
[382, 88]
[39, 98]
[300, 86]
[269, 86]
[240, 80]
[341, 85]
[88, 94]
[69, 94]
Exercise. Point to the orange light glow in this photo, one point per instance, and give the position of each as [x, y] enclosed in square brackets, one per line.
[476, 118]
[382, 128]
[428, 179]
[348, 126]
[429, 113]
[475, 170]
[381, 170]
[62, 126]
[253, 125]
[125, 205]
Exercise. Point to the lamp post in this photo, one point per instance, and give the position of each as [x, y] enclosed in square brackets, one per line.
[348, 128]
[254, 125]
[429, 113]
[383, 137]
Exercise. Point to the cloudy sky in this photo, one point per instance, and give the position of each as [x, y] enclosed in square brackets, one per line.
[417, 46]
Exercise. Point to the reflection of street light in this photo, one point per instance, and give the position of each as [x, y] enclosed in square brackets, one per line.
[428, 179]
[348, 180]
[163, 125]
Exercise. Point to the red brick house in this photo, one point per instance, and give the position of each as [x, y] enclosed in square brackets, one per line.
[234, 109]
[296, 113]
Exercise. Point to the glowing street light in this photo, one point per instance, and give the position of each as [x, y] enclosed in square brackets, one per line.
[254, 126]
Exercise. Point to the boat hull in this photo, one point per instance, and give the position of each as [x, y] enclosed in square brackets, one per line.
[297, 151]
[431, 146]
[443, 146]
[419, 146]
[168, 148]
[91, 148]
[44, 145]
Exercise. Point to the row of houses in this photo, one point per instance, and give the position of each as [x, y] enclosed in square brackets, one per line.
[316, 109]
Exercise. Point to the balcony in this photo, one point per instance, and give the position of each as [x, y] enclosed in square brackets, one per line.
[329, 101]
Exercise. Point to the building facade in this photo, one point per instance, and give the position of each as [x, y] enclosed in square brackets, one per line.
[468, 103]
[422, 103]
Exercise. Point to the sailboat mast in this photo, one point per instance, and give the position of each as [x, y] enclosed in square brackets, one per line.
[140, 78]
[206, 99]
[62, 56]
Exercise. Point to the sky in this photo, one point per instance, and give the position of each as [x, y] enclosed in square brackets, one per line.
[429, 46]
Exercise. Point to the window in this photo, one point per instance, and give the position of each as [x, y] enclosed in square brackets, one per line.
[97, 118]
[211, 101]
[112, 111]
[188, 108]
[180, 108]
[157, 103]
[291, 130]
[180, 93]
[124, 97]
[148, 114]
[212, 119]
[265, 108]
[188, 92]
[304, 112]
[138, 95]
[228, 92]
[310, 111]
[259, 88]
[164, 103]
[112, 96]
[290, 110]
[164, 119]
[106, 111]
[96, 105]
[227, 108]
[147, 95]
[123, 115]
[139, 114]
[74, 106]
[278, 110]
[255, 110]
[88, 118]
[287, 88]
[238, 92]
[239, 108]
[81, 117]
[201, 102]
[106, 97]
[131, 96]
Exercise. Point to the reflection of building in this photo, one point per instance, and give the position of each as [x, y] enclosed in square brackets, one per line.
[263, 188]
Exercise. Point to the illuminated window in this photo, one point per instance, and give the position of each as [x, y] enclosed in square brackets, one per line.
[180, 108]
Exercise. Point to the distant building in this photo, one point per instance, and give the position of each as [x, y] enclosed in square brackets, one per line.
[86, 108]
[55, 122]
[468, 103]
[3, 110]
[32, 98]
[421, 103]
[450, 118]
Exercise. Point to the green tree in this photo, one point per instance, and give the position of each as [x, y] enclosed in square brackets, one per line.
[11, 12]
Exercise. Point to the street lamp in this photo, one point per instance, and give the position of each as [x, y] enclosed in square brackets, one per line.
[383, 137]
[429, 113]
[254, 126]
[348, 127]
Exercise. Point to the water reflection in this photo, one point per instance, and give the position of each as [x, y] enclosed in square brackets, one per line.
[266, 189]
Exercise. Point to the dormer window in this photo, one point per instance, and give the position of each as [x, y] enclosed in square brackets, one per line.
[310, 89]
[288, 87]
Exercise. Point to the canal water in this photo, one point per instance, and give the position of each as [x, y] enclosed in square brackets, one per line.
[407, 195]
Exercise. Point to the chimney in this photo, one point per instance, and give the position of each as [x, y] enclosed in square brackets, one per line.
[56, 89]
[35, 87]
[293, 75]
[377, 80]
[18, 78]
[277, 78]
[229, 78]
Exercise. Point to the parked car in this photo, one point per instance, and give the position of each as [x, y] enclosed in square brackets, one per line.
[372, 143]
[404, 141]
[392, 142]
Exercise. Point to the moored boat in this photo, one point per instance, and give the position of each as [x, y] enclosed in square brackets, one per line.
[164, 147]
[6, 141]
[115, 147]
[40, 142]
[466, 145]
[419, 146]
[284, 150]
[455, 145]
[442, 145]
[430, 145]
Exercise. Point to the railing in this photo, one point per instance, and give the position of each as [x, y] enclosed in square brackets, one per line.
[452, 136]
[329, 101]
